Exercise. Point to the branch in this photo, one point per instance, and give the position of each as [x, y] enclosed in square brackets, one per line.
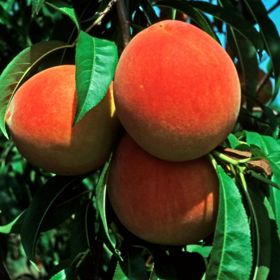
[274, 7]
[124, 22]
[263, 81]
[102, 15]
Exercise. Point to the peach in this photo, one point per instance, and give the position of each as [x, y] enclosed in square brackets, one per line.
[162, 202]
[40, 120]
[177, 91]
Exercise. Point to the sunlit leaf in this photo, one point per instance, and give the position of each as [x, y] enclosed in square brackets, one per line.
[19, 69]
[64, 274]
[96, 61]
[8, 228]
[202, 250]
[233, 141]
[36, 6]
[67, 10]
[231, 256]
[266, 143]
[61, 275]
[7, 5]
[5, 18]
[119, 273]
[271, 148]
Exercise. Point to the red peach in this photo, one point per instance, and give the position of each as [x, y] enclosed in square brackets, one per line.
[40, 120]
[177, 91]
[163, 202]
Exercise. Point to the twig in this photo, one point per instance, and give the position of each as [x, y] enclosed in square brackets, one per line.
[263, 179]
[124, 22]
[274, 7]
[263, 81]
[101, 15]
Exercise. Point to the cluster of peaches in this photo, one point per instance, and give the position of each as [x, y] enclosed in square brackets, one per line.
[176, 93]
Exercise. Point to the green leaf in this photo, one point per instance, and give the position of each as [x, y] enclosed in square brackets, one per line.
[61, 275]
[271, 148]
[101, 207]
[202, 250]
[262, 232]
[67, 10]
[7, 5]
[230, 16]
[96, 61]
[198, 17]
[275, 252]
[268, 32]
[275, 203]
[39, 208]
[8, 228]
[119, 273]
[82, 231]
[19, 69]
[233, 19]
[64, 274]
[248, 62]
[274, 198]
[266, 143]
[133, 265]
[277, 86]
[36, 6]
[66, 204]
[274, 159]
[149, 11]
[272, 120]
[231, 256]
[233, 141]
[5, 17]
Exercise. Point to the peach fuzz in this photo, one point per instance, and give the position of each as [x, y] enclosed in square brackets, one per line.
[162, 202]
[177, 91]
[40, 120]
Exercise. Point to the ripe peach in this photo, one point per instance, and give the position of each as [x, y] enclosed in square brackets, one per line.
[163, 202]
[40, 120]
[177, 91]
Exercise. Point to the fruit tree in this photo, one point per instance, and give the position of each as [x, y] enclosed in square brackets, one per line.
[140, 139]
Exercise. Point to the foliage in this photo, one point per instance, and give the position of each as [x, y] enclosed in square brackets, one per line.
[63, 226]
